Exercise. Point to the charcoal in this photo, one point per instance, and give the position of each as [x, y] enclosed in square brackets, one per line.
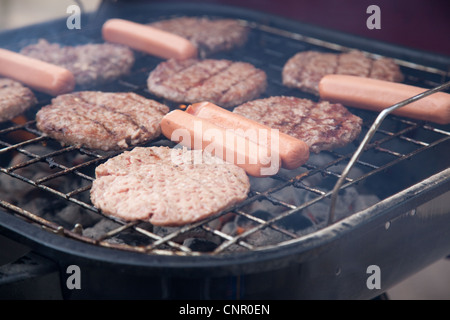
[199, 244]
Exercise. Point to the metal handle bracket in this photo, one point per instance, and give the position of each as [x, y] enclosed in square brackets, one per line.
[381, 116]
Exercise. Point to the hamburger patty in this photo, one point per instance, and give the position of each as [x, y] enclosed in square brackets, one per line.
[222, 82]
[14, 99]
[321, 125]
[209, 36]
[305, 69]
[168, 187]
[101, 120]
[91, 64]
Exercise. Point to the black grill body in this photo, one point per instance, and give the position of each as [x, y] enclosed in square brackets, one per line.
[401, 234]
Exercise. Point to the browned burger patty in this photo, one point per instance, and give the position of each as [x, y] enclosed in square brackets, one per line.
[223, 82]
[91, 64]
[101, 120]
[305, 69]
[322, 125]
[168, 187]
[209, 36]
[14, 99]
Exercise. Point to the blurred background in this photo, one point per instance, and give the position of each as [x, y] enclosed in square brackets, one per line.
[18, 13]
[418, 24]
[421, 25]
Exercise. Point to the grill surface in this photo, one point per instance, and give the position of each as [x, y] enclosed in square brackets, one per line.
[268, 48]
[389, 164]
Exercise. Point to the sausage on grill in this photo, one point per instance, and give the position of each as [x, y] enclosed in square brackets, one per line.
[148, 39]
[36, 74]
[293, 152]
[376, 95]
[197, 133]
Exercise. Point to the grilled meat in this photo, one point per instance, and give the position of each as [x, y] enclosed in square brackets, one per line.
[101, 120]
[305, 69]
[91, 64]
[222, 82]
[14, 99]
[209, 36]
[322, 125]
[168, 187]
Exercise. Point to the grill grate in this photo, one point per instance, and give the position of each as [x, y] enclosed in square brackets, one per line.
[69, 171]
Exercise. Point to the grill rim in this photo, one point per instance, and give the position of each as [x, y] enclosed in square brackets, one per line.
[67, 250]
[43, 241]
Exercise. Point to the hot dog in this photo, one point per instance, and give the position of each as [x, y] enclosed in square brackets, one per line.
[196, 133]
[148, 39]
[293, 152]
[376, 95]
[36, 74]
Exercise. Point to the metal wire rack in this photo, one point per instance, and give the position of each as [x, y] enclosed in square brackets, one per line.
[394, 143]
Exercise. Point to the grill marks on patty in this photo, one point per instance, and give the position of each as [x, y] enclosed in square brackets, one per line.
[321, 125]
[168, 187]
[305, 69]
[99, 120]
[223, 82]
[14, 99]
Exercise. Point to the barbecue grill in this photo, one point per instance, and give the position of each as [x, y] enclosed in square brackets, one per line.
[277, 244]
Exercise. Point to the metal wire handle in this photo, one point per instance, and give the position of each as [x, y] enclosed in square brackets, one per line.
[369, 136]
